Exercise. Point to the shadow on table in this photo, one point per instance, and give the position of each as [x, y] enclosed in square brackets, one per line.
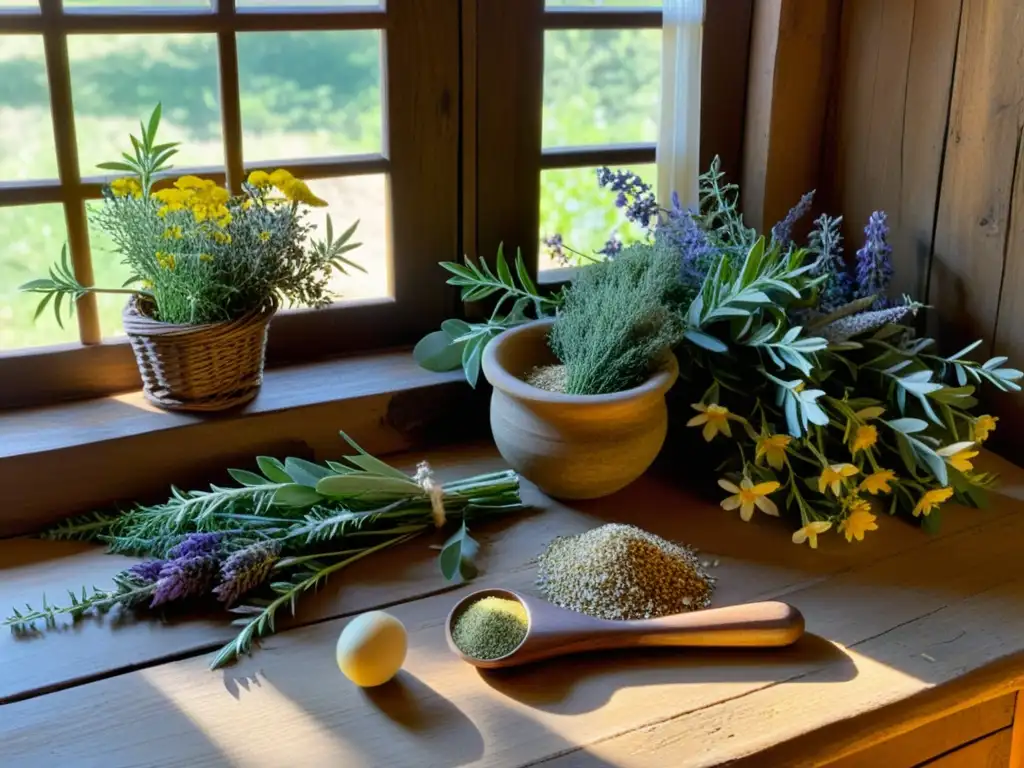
[591, 680]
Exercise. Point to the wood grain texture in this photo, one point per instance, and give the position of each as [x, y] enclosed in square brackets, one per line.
[979, 174]
[991, 752]
[121, 448]
[890, 110]
[937, 737]
[792, 62]
[1017, 746]
[890, 623]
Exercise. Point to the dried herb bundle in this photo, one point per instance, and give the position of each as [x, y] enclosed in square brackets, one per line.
[257, 548]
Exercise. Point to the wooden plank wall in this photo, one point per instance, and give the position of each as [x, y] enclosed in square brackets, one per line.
[926, 123]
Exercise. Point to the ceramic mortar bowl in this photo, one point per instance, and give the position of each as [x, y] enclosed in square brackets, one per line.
[571, 446]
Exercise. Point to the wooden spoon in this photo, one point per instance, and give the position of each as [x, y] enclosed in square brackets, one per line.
[555, 631]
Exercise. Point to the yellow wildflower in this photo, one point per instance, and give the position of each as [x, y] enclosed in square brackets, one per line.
[147, 284]
[772, 447]
[931, 501]
[810, 533]
[983, 426]
[298, 191]
[205, 257]
[259, 179]
[173, 200]
[127, 186]
[222, 237]
[715, 419]
[959, 456]
[247, 204]
[865, 437]
[264, 237]
[878, 482]
[172, 233]
[192, 182]
[832, 477]
[280, 177]
[859, 521]
[165, 260]
[747, 496]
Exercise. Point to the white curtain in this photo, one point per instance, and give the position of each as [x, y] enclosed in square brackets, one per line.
[679, 136]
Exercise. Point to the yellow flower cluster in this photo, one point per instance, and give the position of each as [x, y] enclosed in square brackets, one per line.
[165, 260]
[294, 190]
[202, 197]
[127, 186]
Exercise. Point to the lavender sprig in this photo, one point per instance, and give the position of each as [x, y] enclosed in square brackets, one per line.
[826, 242]
[246, 569]
[635, 196]
[782, 232]
[874, 261]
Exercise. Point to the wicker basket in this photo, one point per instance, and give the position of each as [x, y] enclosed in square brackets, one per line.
[209, 367]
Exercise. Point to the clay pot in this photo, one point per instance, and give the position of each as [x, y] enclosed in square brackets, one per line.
[571, 446]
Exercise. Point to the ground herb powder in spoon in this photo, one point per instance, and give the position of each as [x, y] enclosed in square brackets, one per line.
[622, 572]
[491, 628]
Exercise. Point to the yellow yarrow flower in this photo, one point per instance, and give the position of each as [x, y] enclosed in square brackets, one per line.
[746, 496]
[715, 419]
[127, 186]
[264, 237]
[833, 475]
[859, 521]
[810, 532]
[298, 191]
[865, 437]
[192, 182]
[173, 233]
[932, 500]
[958, 456]
[773, 448]
[165, 260]
[280, 177]
[983, 426]
[259, 179]
[222, 237]
[878, 482]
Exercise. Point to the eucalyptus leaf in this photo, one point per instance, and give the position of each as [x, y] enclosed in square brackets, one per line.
[437, 352]
[456, 559]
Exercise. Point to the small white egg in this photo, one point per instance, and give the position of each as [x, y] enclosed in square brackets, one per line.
[371, 648]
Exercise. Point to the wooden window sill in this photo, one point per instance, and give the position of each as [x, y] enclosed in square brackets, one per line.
[77, 457]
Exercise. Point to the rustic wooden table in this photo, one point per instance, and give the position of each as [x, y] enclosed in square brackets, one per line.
[915, 652]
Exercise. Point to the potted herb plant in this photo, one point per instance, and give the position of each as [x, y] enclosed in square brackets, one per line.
[208, 271]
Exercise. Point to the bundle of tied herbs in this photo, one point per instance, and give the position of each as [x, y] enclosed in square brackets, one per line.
[196, 253]
[827, 399]
[259, 547]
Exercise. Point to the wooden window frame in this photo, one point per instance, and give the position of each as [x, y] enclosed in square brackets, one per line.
[502, 114]
[420, 155]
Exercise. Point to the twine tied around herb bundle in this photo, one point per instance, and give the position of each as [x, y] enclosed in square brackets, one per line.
[424, 478]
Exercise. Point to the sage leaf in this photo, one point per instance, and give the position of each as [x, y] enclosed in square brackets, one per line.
[295, 495]
[457, 555]
[339, 486]
[705, 341]
[306, 472]
[438, 353]
[247, 478]
[273, 469]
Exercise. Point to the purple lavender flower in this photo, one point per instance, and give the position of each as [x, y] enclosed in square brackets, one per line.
[612, 247]
[874, 261]
[195, 544]
[680, 229]
[782, 232]
[635, 196]
[556, 249]
[145, 573]
[826, 242]
[185, 577]
[245, 570]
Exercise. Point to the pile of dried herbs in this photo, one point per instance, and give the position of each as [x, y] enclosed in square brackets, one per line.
[259, 547]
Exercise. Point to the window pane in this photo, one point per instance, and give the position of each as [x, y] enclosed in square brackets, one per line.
[364, 198]
[604, 3]
[118, 79]
[19, 4]
[309, 94]
[575, 207]
[108, 272]
[308, 3]
[26, 130]
[32, 238]
[137, 4]
[601, 86]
